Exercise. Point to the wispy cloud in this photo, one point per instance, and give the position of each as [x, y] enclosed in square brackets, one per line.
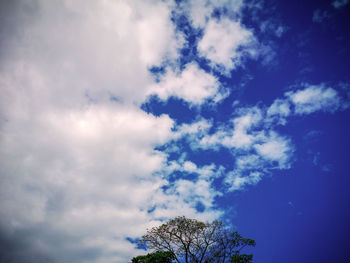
[319, 16]
[340, 3]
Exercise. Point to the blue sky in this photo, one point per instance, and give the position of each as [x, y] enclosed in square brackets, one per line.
[118, 115]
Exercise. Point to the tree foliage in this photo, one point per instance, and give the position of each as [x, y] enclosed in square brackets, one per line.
[156, 257]
[193, 241]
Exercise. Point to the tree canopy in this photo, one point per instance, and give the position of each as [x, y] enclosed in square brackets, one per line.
[156, 257]
[192, 241]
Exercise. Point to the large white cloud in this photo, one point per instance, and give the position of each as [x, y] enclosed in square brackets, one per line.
[85, 174]
[78, 167]
[88, 47]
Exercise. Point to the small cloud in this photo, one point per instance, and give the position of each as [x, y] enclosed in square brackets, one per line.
[240, 136]
[326, 168]
[279, 31]
[193, 85]
[238, 182]
[340, 3]
[235, 103]
[316, 158]
[319, 16]
[276, 148]
[311, 135]
[269, 26]
[225, 42]
[306, 69]
[278, 111]
[314, 98]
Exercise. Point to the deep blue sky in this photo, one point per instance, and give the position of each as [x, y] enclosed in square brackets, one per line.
[302, 214]
[116, 116]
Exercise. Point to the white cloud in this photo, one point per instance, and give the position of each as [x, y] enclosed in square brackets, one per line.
[155, 22]
[314, 98]
[238, 137]
[196, 191]
[275, 148]
[200, 11]
[279, 107]
[225, 42]
[192, 84]
[79, 171]
[238, 182]
[255, 146]
[278, 111]
[199, 127]
[93, 48]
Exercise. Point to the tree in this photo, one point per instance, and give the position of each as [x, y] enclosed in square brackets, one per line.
[193, 241]
[156, 257]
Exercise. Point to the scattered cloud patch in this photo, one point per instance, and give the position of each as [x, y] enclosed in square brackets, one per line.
[237, 182]
[269, 26]
[193, 85]
[237, 134]
[200, 12]
[275, 148]
[340, 3]
[278, 111]
[319, 16]
[254, 144]
[314, 98]
[225, 42]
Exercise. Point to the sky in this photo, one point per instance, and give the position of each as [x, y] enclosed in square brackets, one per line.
[116, 116]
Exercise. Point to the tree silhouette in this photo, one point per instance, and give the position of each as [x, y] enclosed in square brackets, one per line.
[192, 241]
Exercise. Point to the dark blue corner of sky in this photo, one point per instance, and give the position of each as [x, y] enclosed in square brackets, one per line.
[302, 214]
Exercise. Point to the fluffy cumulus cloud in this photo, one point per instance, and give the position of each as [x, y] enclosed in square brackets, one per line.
[236, 181]
[238, 136]
[84, 169]
[313, 98]
[192, 85]
[275, 148]
[225, 41]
